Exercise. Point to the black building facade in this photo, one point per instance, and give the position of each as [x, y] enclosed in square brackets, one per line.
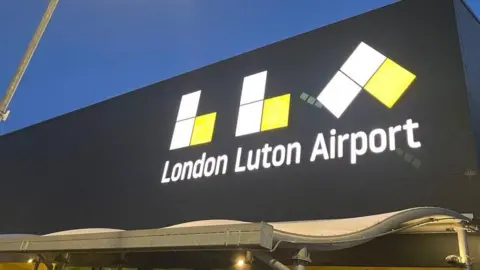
[373, 114]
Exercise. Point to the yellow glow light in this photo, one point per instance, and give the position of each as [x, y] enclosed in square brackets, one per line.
[203, 129]
[275, 112]
[389, 82]
[240, 263]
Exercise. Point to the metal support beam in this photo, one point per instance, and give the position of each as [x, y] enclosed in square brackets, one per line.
[248, 257]
[252, 236]
[270, 261]
[463, 248]
[122, 261]
[22, 67]
[301, 259]
[62, 261]
[463, 257]
[41, 259]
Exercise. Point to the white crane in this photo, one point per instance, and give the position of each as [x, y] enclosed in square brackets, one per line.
[12, 86]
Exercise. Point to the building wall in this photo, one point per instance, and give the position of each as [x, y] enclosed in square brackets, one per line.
[102, 166]
[469, 38]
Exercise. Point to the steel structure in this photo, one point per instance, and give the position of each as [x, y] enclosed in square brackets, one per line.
[177, 247]
[22, 67]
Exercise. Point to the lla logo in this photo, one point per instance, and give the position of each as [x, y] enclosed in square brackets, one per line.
[258, 114]
[191, 129]
[365, 69]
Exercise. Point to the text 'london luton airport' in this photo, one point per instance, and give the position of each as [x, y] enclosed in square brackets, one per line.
[365, 68]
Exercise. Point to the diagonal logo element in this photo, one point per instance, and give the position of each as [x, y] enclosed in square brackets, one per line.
[191, 129]
[371, 71]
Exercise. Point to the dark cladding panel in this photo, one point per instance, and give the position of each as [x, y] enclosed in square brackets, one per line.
[103, 166]
[469, 33]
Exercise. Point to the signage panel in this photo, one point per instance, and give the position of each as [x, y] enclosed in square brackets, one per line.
[365, 116]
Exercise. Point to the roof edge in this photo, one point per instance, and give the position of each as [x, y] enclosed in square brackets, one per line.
[464, 2]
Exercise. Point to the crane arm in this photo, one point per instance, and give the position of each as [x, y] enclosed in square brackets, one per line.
[12, 86]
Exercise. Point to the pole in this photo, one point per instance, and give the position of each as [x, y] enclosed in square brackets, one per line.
[301, 259]
[463, 248]
[12, 86]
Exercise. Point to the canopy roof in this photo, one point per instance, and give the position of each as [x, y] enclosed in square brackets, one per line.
[225, 238]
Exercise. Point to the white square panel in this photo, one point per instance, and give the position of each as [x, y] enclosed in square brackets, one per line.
[362, 64]
[338, 94]
[182, 134]
[253, 87]
[189, 105]
[249, 118]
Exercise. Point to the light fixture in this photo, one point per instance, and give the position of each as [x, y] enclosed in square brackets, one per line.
[240, 263]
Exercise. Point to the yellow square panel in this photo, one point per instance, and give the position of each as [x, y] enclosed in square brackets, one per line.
[275, 112]
[203, 128]
[389, 82]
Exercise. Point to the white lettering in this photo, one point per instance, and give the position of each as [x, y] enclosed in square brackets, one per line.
[341, 140]
[187, 169]
[377, 141]
[165, 178]
[409, 126]
[209, 167]
[391, 136]
[256, 164]
[354, 151]
[333, 132]
[202, 167]
[372, 140]
[320, 148]
[265, 150]
[298, 151]
[221, 161]
[278, 155]
[261, 158]
[199, 163]
[239, 168]
[176, 172]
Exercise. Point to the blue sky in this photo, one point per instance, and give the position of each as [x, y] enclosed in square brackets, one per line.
[97, 49]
